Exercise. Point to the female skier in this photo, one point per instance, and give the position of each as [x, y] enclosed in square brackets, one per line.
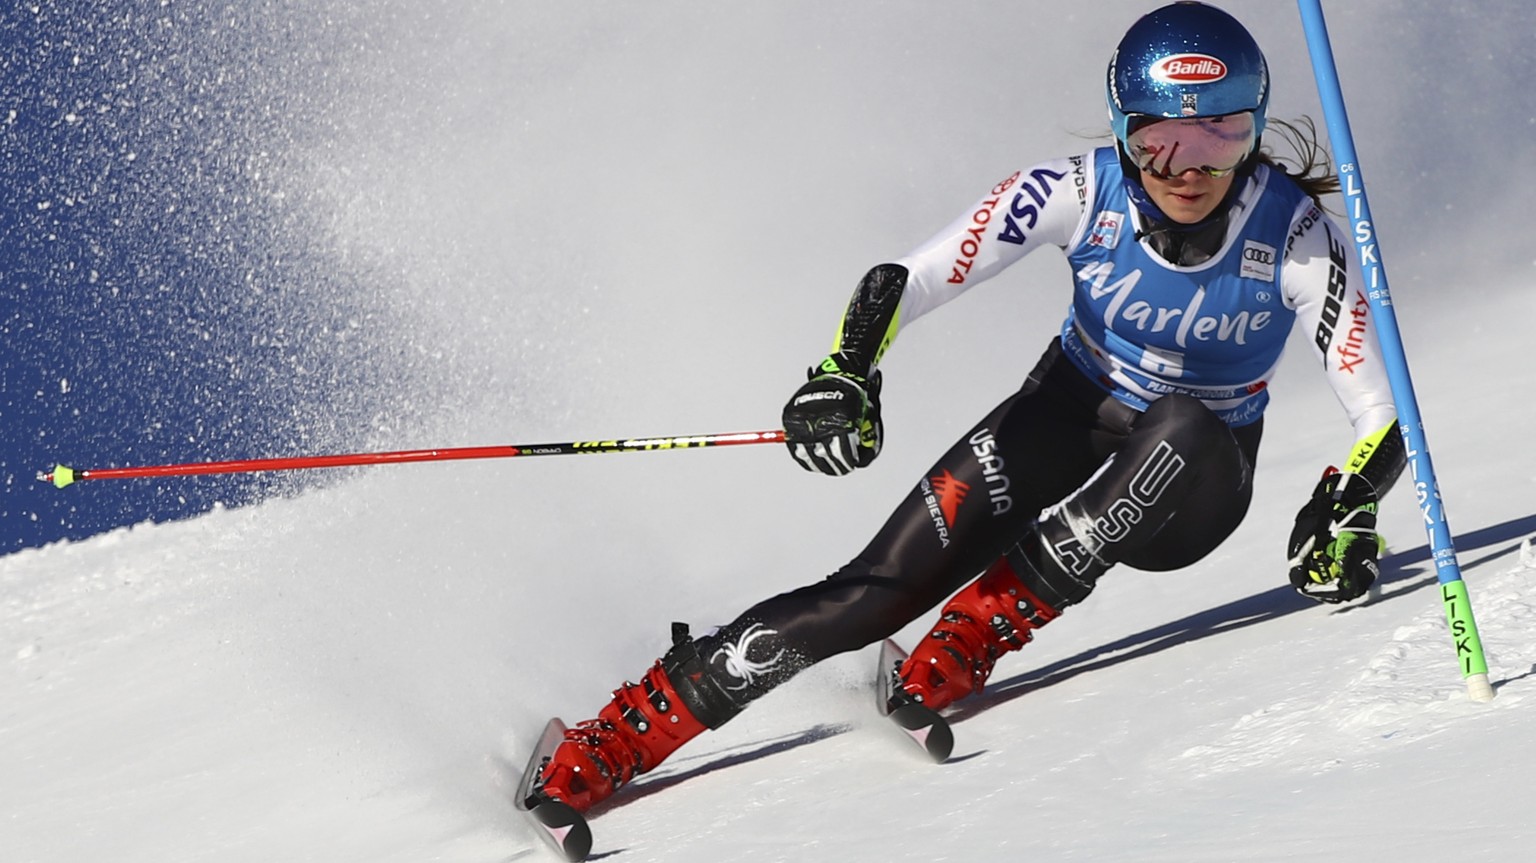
[1132, 441]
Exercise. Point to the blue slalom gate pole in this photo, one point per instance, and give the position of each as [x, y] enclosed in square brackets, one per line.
[1453, 591]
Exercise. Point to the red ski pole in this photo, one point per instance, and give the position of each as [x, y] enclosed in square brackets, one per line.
[62, 476]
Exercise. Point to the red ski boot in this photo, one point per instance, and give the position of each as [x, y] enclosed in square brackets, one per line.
[993, 615]
[636, 731]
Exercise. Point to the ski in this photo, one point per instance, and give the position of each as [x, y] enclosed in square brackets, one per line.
[560, 825]
[925, 727]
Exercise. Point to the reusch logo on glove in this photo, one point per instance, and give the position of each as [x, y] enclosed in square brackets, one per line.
[822, 395]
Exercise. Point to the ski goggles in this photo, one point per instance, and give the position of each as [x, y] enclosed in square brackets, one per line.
[1214, 146]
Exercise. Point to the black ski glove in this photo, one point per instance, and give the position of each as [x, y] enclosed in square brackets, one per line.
[832, 423]
[1334, 545]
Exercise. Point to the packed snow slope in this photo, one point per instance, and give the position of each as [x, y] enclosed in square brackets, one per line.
[635, 222]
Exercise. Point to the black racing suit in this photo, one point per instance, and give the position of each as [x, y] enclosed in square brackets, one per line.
[1157, 490]
[1063, 473]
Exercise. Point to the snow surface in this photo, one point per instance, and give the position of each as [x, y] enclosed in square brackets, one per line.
[659, 213]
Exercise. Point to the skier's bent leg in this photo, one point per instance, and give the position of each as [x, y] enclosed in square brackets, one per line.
[703, 683]
[1181, 473]
[1176, 488]
[910, 566]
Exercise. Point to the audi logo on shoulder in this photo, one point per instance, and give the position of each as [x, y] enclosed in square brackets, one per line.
[1259, 261]
[1258, 255]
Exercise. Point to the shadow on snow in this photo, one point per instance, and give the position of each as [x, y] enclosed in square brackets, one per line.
[1402, 570]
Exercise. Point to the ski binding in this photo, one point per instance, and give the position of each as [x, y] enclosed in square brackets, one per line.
[925, 727]
[564, 828]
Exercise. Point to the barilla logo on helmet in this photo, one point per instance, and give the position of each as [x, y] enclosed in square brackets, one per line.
[1188, 69]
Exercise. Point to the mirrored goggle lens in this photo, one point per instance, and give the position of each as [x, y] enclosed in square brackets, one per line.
[1214, 145]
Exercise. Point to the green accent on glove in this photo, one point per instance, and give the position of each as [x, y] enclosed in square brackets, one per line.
[829, 366]
[1334, 545]
[842, 366]
[869, 434]
[1327, 563]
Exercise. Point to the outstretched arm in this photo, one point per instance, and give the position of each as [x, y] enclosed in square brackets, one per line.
[832, 423]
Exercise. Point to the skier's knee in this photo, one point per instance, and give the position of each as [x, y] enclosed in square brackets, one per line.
[1194, 432]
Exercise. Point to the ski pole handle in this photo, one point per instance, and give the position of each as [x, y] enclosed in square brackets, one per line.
[62, 476]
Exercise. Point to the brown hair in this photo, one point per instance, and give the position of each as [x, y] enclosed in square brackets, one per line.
[1314, 168]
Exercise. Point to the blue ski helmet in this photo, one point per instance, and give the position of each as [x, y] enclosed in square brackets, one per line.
[1186, 59]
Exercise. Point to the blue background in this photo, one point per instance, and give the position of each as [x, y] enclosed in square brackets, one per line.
[160, 302]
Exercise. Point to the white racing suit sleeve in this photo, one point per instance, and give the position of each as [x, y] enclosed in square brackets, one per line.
[1322, 282]
[1035, 207]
